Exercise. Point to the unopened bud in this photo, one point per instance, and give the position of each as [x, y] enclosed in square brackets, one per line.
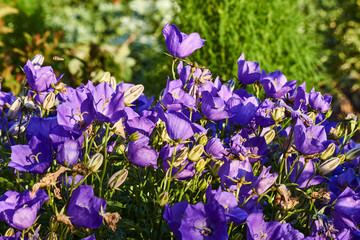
[15, 130]
[133, 93]
[196, 152]
[203, 140]
[120, 149]
[328, 113]
[163, 198]
[37, 61]
[96, 162]
[49, 101]
[180, 156]
[133, 137]
[194, 91]
[14, 109]
[352, 154]
[51, 236]
[105, 77]
[203, 184]
[312, 115]
[216, 168]
[329, 165]
[328, 152]
[200, 165]
[113, 82]
[162, 92]
[278, 114]
[230, 84]
[9, 232]
[269, 136]
[117, 179]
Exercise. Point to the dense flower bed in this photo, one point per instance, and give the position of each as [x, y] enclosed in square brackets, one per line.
[207, 160]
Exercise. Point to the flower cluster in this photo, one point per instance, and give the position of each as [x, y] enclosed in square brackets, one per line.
[256, 156]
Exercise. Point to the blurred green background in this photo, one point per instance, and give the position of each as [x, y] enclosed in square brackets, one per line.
[317, 41]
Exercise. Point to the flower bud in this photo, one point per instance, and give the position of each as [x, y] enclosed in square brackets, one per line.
[328, 113]
[269, 136]
[133, 137]
[196, 152]
[216, 168]
[37, 61]
[120, 149]
[9, 232]
[96, 162]
[230, 84]
[329, 165]
[200, 165]
[15, 130]
[105, 77]
[113, 82]
[51, 236]
[203, 140]
[312, 115]
[117, 179]
[203, 184]
[133, 93]
[161, 95]
[328, 152]
[49, 101]
[278, 114]
[14, 109]
[180, 156]
[352, 154]
[163, 198]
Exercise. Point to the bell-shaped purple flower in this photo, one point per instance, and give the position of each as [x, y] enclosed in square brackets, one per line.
[68, 153]
[264, 181]
[139, 124]
[85, 210]
[235, 170]
[204, 222]
[35, 157]
[76, 113]
[242, 108]
[304, 172]
[141, 154]
[20, 210]
[108, 105]
[258, 229]
[174, 215]
[318, 102]
[180, 44]
[275, 84]
[263, 114]
[214, 108]
[309, 140]
[215, 148]
[178, 126]
[248, 72]
[39, 79]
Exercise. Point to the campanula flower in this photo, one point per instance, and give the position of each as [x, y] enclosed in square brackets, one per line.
[275, 84]
[180, 44]
[19, 210]
[85, 210]
[318, 102]
[141, 154]
[39, 79]
[248, 71]
[258, 229]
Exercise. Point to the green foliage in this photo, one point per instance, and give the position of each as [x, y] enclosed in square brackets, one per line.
[276, 33]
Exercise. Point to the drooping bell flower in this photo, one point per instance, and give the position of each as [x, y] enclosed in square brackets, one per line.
[85, 209]
[318, 102]
[36, 157]
[180, 44]
[68, 153]
[19, 210]
[258, 229]
[275, 84]
[248, 71]
[216, 149]
[141, 154]
[309, 140]
[178, 126]
[214, 108]
[39, 79]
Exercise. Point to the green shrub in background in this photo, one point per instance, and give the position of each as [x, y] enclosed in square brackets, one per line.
[277, 33]
[340, 28]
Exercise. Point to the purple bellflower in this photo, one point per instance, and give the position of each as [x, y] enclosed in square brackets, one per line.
[180, 44]
[85, 209]
[141, 154]
[275, 84]
[309, 140]
[318, 102]
[39, 79]
[248, 72]
[174, 215]
[20, 210]
[258, 229]
[35, 157]
[264, 181]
